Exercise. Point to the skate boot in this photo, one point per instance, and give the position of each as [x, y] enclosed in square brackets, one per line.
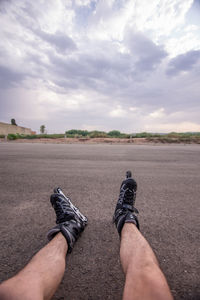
[125, 212]
[68, 220]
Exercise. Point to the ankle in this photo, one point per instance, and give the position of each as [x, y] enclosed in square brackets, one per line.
[61, 240]
[128, 228]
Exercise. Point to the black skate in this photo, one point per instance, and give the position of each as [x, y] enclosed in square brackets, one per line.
[68, 219]
[125, 210]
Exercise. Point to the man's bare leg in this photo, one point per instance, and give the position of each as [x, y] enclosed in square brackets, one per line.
[144, 279]
[41, 277]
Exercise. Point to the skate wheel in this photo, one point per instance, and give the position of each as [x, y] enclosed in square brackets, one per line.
[57, 190]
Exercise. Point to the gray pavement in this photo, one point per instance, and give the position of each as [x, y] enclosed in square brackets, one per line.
[168, 201]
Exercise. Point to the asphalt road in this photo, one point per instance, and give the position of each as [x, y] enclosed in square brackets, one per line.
[168, 201]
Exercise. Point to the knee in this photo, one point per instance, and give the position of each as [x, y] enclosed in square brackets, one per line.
[152, 275]
[145, 265]
[145, 271]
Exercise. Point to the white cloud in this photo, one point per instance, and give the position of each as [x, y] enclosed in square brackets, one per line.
[163, 21]
[133, 108]
[182, 44]
[118, 112]
[83, 2]
[159, 113]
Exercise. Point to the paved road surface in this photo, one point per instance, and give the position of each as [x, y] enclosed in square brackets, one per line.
[168, 201]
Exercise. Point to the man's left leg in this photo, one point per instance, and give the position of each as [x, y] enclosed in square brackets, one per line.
[143, 277]
[41, 277]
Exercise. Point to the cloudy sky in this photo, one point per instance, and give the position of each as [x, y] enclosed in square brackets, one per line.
[130, 65]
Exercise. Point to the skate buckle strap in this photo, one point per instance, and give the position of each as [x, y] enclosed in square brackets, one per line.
[129, 207]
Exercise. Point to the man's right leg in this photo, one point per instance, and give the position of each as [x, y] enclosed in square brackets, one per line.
[144, 279]
[42, 275]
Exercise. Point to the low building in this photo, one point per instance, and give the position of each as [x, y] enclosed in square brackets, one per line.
[6, 128]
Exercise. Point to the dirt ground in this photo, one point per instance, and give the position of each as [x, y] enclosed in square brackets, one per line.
[86, 140]
[168, 201]
[83, 140]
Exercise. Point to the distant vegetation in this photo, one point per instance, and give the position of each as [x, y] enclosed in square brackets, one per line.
[74, 133]
[13, 122]
[42, 129]
[172, 137]
[16, 136]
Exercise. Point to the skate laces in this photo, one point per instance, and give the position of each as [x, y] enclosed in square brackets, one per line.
[126, 195]
[61, 208]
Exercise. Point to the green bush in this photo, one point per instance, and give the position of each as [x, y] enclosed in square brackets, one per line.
[34, 136]
[114, 133]
[2, 136]
[50, 136]
[142, 135]
[76, 132]
[12, 136]
[118, 134]
[98, 134]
